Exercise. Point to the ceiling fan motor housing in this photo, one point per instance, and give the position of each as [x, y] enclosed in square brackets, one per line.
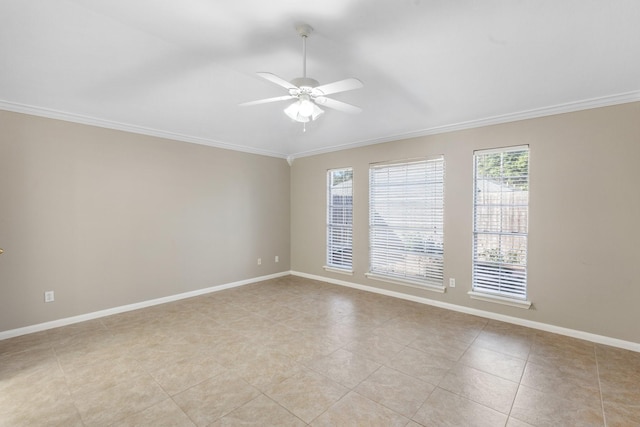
[305, 82]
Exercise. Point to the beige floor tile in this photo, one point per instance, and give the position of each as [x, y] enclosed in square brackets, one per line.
[305, 346]
[621, 393]
[344, 367]
[311, 322]
[619, 372]
[55, 410]
[514, 422]
[261, 412]
[187, 372]
[224, 313]
[251, 324]
[216, 353]
[103, 407]
[256, 304]
[154, 359]
[279, 313]
[509, 329]
[462, 333]
[376, 348]
[505, 342]
[395, 390]
[560, 351]
[402, 330]
[30, 378]
[26, 363]
[552, 410]
[460, 326]
[339, 334]
[265, 369]
[367, 318]
[440, 345]
[446, 409]
[37, 340]
[103, 374]
[357, 410]
[215, 397]
[127, 318]
[224, 347]
[423, 366]
[207, 343]
[81, 340]
[493, 362]
[307, 394]
[612, 357]
[578, 385]
[481, 387]
[162, 414]
[93, 352]
[622, 415]
[89, 326]
[203, 325]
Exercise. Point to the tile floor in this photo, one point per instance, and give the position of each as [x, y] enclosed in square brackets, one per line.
[293, 351]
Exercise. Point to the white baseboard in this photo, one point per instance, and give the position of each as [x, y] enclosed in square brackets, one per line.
[600, 339]
[130, 307]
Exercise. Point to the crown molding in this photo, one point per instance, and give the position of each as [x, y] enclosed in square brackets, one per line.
[109, 124]
[569, 107]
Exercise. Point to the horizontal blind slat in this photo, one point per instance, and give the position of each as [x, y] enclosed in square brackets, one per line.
[406, 219]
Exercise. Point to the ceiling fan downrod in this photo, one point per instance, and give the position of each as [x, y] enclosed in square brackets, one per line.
[304, 30]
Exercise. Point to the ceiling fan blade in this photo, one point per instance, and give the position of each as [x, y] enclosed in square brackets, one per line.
[338, 105]
[277, 80]
[339, 86]
[264, 101]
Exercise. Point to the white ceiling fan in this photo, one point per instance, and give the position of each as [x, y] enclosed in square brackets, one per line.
[307, 92]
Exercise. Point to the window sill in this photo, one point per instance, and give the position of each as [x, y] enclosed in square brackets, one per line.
[338, 270]
[418, 285]
[500, 300]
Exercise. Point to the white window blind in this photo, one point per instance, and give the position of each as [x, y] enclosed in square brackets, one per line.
[340, 218]
[406, 220]
[500, 221]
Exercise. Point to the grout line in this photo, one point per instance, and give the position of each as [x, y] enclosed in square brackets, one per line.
[604, 416]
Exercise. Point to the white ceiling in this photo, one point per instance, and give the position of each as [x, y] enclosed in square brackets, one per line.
[180, 68]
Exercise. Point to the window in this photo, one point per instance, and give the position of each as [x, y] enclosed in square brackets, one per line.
[339, 218]
[500, 222]
[406, 216]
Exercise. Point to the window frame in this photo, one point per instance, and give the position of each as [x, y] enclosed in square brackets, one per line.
[401, 252]
[500, 274]
[339, 231]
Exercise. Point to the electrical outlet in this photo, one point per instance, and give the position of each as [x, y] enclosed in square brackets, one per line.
[49, 296]
[452, 282]
[259, 261]
[277, 258]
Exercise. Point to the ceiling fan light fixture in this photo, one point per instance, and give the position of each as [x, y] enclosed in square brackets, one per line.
[303, 110]
[306, 106]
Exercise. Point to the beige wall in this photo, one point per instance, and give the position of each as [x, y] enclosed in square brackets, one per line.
[107, 218]
[584, 227]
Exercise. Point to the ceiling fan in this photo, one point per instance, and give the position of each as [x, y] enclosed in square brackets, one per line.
[307, 92]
